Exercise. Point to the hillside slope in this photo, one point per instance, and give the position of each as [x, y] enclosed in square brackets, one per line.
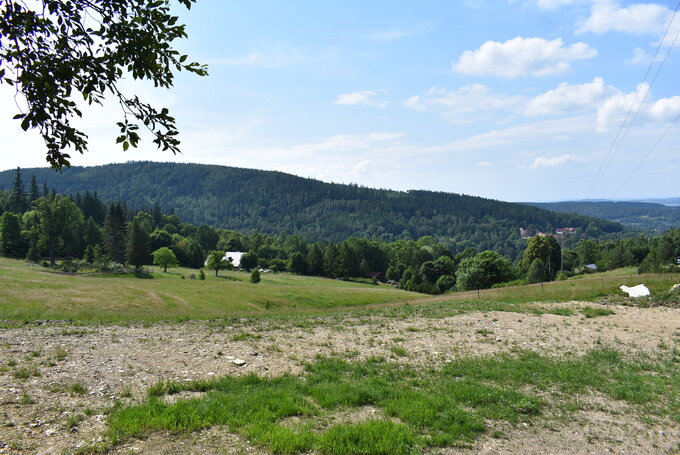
[247, 199]
[639, 215]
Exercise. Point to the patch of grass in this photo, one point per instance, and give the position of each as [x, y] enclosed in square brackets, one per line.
[399, 351]
[380, 437]
[77, 388]
[73, 421]
[26, 399]
[421, 408]
[245, 336]
[26, 372]
[591, 312]
[60, 353]
[485, 332]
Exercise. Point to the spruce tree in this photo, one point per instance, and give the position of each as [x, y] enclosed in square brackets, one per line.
[138, 246]
[115, 233]
[34, 193]
[11, 241]
[17, 199]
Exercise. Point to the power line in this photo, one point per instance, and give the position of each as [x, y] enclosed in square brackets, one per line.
[643, 100]
[649, 152]
[609, 157]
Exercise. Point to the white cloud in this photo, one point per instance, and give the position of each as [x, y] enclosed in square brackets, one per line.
[483, 163]
[639, 18]
[272, 57]
[640, 57]
[569, 98]
[613, 111]
[457, 106]
[542, 161]
[554, 4]
[364, 97]
[348, 142]
[522, 57]
[397, 33]
[363, 167]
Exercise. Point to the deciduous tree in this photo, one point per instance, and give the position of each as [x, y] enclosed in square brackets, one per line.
[216, 263]
[58, 216]
[164, 257]
[56, 51]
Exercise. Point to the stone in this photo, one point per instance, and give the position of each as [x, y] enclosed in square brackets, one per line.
[238, 362]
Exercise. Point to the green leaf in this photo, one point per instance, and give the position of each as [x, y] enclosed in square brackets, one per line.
[126, 145]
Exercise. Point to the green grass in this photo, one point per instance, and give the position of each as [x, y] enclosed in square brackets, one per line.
[417, 408]
[73, 421]
[30, 293]
[591, 312]
[585, 288]
[26, 372]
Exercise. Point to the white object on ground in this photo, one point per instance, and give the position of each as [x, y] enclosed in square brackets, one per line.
[636, 291]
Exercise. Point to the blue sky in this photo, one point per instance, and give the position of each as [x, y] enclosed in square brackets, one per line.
[514, 100]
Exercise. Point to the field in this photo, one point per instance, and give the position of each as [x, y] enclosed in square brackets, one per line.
[30, 293]
[166, 365]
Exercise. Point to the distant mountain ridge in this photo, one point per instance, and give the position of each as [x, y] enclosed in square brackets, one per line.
[646, 216]
[275, 202]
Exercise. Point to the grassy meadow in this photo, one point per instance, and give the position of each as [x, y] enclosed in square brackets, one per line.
[29, 293]
[582, 288]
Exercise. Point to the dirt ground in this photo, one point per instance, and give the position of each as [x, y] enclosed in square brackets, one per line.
[121, 362]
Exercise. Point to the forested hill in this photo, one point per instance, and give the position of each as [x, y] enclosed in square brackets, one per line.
[641, 215]
[274, 202]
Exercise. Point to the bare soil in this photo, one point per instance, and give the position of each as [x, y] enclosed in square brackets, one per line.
[121, 362]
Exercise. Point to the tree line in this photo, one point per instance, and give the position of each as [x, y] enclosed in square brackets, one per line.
[274, 202]
[38, 224]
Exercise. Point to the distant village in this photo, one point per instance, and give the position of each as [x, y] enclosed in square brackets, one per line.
[559, 233]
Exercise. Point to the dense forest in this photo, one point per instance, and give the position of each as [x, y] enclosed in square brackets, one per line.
[643, 216]
[80, 232]
[273, 202]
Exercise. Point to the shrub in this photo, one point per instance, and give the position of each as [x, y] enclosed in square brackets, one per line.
[255, 276]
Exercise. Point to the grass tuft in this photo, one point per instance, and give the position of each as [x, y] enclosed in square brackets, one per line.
[590, 312]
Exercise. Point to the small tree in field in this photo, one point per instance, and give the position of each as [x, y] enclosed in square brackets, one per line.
[138, 247]
[216, 263]
[255, 276]
[164, 257]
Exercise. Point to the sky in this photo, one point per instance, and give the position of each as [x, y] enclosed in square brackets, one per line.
[519, 100]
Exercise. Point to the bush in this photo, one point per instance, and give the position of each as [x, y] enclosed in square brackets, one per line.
[445, 283]
[201, 275]
[255, 276]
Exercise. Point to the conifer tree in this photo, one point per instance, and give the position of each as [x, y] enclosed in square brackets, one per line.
[34, 193]
[115, 233]
[18, 202]
[138, 246]
[11, 241]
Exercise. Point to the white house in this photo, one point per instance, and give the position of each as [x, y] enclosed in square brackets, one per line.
[234, 257]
